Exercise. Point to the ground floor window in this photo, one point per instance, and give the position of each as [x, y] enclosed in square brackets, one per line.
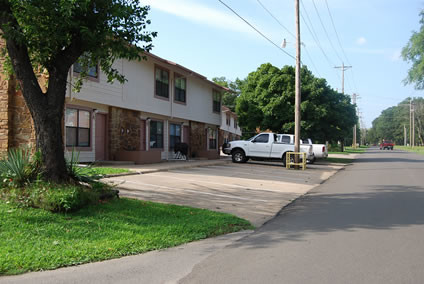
[212, 138]
[156, 134]
[77, 124]
[174, 135]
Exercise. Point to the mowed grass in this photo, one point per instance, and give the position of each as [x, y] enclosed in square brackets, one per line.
[96, 171]
[34, 239]
[351, 150]
[340, 160]
[416, 149]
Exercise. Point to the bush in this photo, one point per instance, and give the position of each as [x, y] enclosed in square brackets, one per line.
[57, 197]
[19, 168]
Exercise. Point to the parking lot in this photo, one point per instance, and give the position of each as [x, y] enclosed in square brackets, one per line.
[255, 191]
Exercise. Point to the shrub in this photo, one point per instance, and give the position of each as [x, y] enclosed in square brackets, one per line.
[57, 197]
[19, 168]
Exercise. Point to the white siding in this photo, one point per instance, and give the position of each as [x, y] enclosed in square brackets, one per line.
[138, 92]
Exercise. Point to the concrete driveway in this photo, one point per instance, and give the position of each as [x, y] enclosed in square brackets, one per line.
[255, 191]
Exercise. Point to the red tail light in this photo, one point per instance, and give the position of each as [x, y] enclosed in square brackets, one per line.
[323, 149]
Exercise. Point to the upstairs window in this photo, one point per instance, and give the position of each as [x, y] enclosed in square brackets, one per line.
[180, 89]
[162, 83]
[216, 101]
[235, 123]
[77, 123]
[228, 119]
[92, 72]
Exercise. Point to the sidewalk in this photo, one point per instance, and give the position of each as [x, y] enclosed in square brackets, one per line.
[165, 165]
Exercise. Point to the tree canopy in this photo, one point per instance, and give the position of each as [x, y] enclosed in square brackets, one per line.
[391, 122]
[267, 102]
[413, 52]
[52, 35]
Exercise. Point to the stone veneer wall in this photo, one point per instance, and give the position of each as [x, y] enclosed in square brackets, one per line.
[22, 131]
[4, 107]
[197, 138]
[16, 125]
[124, 131]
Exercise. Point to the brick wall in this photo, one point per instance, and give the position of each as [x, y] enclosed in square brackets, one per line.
[124, 130]
[4, 107]
[197, 138]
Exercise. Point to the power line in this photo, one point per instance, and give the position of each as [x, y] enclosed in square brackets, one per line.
[259, 32]
[313, 34]
[275, 18]
[340, 44]
[325, 31]
[335, 30]
[263, 6]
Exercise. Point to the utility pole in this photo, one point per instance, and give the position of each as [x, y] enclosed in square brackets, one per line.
[354, 97]
[410, 122]
[297, 86]
[404, 135]
[413, 124]
[344, 68]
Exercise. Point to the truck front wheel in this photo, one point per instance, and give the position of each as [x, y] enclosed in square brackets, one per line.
[238, 156]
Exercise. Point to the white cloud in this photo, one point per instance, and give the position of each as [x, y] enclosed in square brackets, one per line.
[361, 41]
[396, 55]
[200, 14]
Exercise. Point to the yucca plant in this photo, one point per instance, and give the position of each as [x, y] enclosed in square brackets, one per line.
[77, 172]
[17, 166]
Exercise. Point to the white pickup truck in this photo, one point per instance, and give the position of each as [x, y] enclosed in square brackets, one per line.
[320, 150]
[262, 146]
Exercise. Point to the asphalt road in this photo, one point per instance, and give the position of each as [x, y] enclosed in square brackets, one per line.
[364, 225]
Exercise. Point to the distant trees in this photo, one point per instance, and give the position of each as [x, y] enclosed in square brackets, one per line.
[267, 102]
[390, 124]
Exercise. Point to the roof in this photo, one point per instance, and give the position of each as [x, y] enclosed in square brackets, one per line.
[191, 72]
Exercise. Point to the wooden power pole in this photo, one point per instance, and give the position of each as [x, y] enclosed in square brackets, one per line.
[297, 86]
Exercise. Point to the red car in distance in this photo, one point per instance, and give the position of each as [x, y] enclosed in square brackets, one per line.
[386, 144]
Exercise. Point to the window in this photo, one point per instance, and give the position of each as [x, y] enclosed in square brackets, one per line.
[285, 139]
[180, 89]
[212, 138]
[156, 134]
[228, 119]
[77, 123]
[93, 71]
[216, 101]
[235, 123]
[162, 83]
[263, 138]
[174, 135]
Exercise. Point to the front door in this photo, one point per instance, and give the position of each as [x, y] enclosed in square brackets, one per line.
[100, 137]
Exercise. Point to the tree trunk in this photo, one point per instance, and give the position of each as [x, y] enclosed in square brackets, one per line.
[342, 145]
[48, 130]
[46, 109]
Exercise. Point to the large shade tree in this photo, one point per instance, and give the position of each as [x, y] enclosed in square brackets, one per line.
[49, 36]
[268, 97]
[413, 52]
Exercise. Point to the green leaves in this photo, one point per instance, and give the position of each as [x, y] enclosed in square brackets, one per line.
[413, 53]
[268, 97]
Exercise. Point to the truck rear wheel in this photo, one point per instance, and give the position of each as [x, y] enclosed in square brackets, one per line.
[238, 156]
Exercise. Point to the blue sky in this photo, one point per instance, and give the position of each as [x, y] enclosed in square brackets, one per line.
[203, 35]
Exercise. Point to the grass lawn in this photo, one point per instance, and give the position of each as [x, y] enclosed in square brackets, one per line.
[339, 160]
[416, 149]
[34, 239]
[96, 171]
[351, 150]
